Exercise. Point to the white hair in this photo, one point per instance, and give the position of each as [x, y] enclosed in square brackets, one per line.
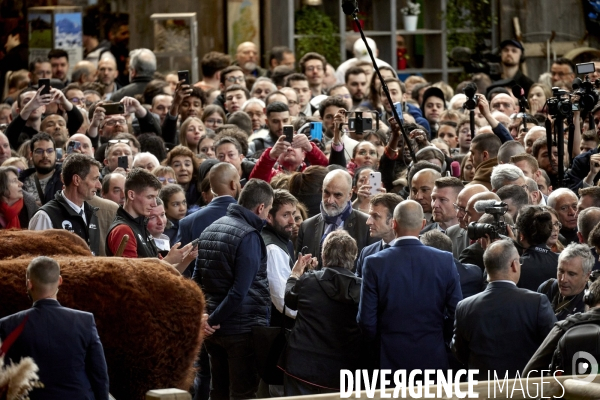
[139, 156]
[253, 101]
[142, 61]
[578, 250]
[553, 198]
[262, 79]
[504, 174]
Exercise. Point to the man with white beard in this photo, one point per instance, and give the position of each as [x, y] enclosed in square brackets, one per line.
[336, 213]
[246, 57]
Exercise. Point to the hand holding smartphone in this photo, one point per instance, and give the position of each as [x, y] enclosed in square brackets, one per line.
[288, 132]
[375, 182]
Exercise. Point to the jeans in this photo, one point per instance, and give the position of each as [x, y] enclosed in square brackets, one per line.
[232, 367]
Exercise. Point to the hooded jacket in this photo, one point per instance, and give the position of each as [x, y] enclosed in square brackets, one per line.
[483, 173]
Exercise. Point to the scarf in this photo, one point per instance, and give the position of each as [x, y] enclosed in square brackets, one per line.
[11, 214]
[335, 222]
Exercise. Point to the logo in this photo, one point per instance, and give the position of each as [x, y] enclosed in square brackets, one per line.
[67, 225]
[93, 226]
[583, 363]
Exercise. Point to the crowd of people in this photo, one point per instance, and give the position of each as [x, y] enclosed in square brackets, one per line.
[258, 185]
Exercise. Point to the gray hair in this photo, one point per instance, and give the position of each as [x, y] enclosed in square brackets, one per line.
[587, 220]
[532, 185]
[339, 250]
[253, 101]
[578, 250]
[142, 61]
[553, 198]
[139, 156]
[4, 183]
[437, 240]
[503, 174]
[263, 79]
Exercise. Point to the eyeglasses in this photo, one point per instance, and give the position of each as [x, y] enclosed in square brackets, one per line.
[557, 225]
[459, 208]
[77, 100]
[162, 179]
[343, 96]
[233, 79]
[40, 152]
[211, 121]
[113, 122]
[314, 68]
[115, 141]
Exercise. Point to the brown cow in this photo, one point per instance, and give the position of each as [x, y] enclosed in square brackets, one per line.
[148, 315]
[15, 243]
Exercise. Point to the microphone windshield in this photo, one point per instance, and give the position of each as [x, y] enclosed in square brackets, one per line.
[455, 168]
[349, 7]
[481, 205]
[470, 90]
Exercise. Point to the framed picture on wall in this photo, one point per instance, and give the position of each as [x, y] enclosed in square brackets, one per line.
[243, 24]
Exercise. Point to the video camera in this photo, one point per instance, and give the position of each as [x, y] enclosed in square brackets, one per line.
[359, 124]
[495, 208]
[586, 89]
[560, 103]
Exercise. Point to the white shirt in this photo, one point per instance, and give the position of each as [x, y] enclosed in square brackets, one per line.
[278, 272]
[403, 238]
[41, 220]
[504, 281]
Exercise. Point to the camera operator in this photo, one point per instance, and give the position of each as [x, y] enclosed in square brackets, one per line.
[543, 356]
[565, 292]
[511, 56]
[585, 170]
[538, 262]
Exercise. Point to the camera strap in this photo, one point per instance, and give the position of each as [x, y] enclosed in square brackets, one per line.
[39, 189]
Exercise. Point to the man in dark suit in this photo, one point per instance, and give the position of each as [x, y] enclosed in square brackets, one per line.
[499, 329]
[471, 277]
[409, 292]
[69, 355]
[336, 213]
[381, 210]
[458, 233]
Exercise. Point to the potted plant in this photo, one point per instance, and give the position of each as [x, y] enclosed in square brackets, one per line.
[411, 15]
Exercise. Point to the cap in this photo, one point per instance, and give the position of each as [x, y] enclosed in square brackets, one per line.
[360, 50]
[512, 42]
[433, 91]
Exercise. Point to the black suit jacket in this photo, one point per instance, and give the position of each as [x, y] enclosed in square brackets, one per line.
[500, 328]
[312, 230]
[65, 345]
[473, 254]
[471, 278]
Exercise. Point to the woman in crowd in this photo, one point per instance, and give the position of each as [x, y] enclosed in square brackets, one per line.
[165, 175]
[538, 262]
[190, 132]
[537, 96]
[324, 342]
[206, 145]
[374, 102]
[299, 216]
[307, 187]
[213, 117]
[467, 172]
[175, 207]
[184, 163]
[360, 189]
[19, 162]
[553, 241]
[16, 205]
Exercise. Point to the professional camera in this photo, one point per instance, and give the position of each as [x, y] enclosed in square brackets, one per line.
[585, 89]
[482, 60]
[558, 104]
[470, 92]
[495, 208]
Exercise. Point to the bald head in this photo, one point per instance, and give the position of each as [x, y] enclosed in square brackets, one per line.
[462, 200]
[86, 144]
[338, 177]
[421, 187]
[471, 214]
[43, 278]
[224, 179]
[408, 219]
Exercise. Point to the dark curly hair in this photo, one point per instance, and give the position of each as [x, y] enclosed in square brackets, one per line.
[535, 224]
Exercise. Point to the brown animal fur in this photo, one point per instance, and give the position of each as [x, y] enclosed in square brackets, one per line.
[148, 316]
[15, 243]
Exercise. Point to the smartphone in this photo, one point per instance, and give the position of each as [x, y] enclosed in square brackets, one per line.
[585, 68]
[195, 242]
[184, 76]
[367, 124]
[375, 182]
[399, 109]
[113, 108]
[46, 84]
[123, 162]
[288, 131]
[316, 130]
[73, 146]
[59, 153]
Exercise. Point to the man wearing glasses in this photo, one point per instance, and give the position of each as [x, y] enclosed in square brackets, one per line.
[115, 149]
[458, 233]
[564, 202]
[43, 180]
[562, 71]
[313, 66]
[232, 75]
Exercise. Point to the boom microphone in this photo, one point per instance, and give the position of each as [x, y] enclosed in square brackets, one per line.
[519, 93]
[455, 168]
[482, 205]
[349, 7]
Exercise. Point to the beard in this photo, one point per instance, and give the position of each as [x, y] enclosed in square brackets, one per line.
[44, 170]
[280, 229]
[332, 210]
[250, 66]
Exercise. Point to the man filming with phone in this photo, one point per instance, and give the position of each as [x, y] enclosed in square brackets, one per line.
[288, 154]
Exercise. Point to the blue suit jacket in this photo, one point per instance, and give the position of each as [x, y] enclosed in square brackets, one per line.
[366, 252]
[64, 343]
[194, 224]
[409, 293]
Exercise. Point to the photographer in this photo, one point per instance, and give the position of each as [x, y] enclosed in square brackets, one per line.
[538, 262]
[566, 292]
[543, 356]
